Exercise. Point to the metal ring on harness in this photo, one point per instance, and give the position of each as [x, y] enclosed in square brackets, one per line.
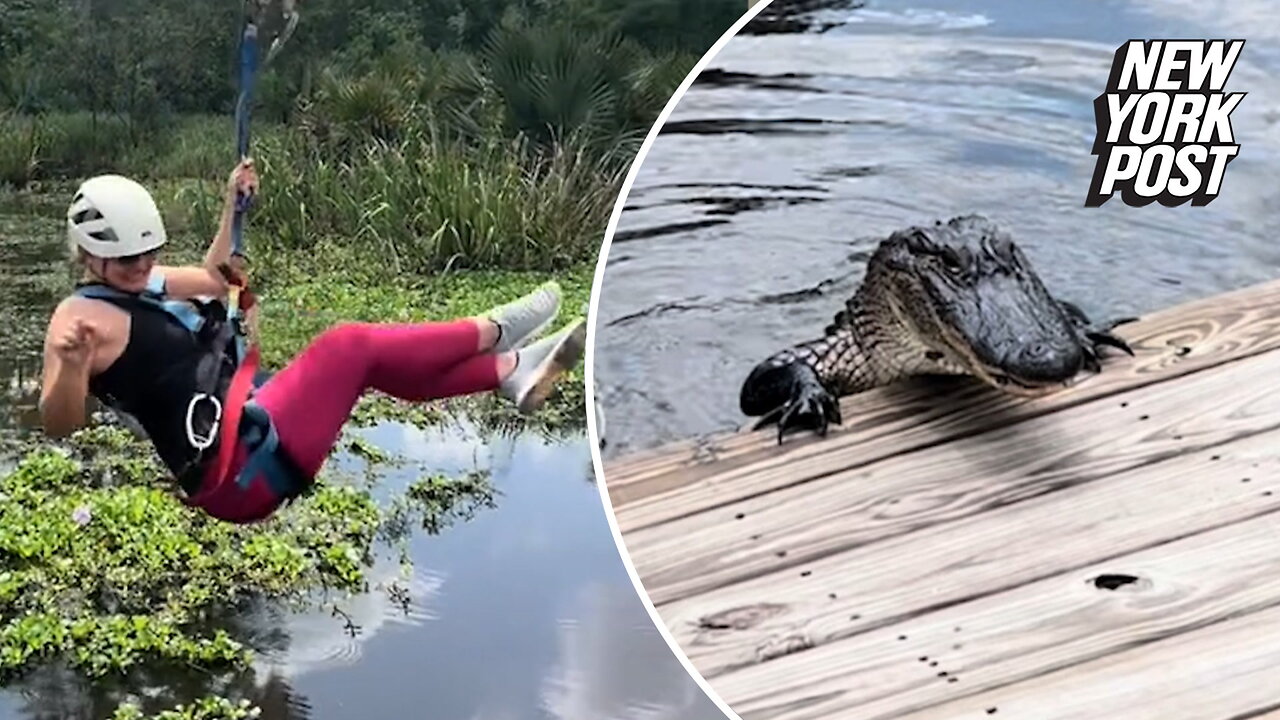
[198, 442]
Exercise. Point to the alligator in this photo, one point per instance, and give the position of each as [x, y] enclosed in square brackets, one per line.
[958, 298]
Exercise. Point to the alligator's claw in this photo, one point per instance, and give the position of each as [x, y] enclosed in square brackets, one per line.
[796, 396]
[1120, 321]
[811, 407]
[1097, 337]
[1108, 338]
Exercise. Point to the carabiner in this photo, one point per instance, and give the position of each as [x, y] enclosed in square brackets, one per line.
[198, 442]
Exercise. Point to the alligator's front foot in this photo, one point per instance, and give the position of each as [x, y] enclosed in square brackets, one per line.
[788, 392]
[1094, 338]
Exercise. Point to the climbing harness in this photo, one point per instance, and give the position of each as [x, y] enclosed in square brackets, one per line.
[234, 421]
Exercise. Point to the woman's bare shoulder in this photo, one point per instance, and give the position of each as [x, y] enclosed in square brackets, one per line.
[99, 312]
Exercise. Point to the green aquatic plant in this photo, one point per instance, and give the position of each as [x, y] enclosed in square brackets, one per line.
[104, 572]
[440, 501]
[103, 569]
[208, 708]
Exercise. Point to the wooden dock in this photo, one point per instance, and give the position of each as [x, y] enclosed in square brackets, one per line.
[1110, 551]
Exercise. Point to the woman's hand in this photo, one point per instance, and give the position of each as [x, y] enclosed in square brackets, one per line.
[183, 283]
[75, 345]
[243, 180]
[70, 346]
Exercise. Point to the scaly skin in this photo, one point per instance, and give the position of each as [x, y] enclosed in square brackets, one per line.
[953, 299]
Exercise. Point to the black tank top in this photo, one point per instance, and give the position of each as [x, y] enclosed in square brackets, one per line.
[162, 367]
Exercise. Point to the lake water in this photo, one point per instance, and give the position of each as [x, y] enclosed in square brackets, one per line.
[754, 212]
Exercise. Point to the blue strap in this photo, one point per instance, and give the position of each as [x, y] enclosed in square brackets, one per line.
[156, 282]
[242, 346]
[184, 312]
[244, 104]
[266, 457]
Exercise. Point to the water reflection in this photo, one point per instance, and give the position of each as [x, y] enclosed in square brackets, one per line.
[503, 582]
[54, 693]
[32, 270]
[333, 634]
[613, 666]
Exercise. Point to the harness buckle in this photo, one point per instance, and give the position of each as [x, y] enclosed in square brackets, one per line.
[197, 441]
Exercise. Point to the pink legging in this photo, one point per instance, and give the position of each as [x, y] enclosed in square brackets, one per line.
[312, 397]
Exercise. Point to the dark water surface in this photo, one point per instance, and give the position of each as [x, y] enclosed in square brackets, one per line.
[524, 612]
[754, 212]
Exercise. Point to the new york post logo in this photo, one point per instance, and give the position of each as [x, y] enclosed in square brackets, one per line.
[1164, 123]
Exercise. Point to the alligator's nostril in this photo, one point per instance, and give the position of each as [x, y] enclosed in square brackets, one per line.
[1042, 360]
[1039, 353]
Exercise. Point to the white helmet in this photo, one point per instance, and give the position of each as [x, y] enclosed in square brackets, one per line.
[113, 216]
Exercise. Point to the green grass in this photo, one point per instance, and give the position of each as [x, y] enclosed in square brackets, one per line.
[45, 147]
[421, 205]
[64, 148]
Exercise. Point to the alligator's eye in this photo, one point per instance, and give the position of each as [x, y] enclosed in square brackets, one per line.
[952, 262]
[918, 241]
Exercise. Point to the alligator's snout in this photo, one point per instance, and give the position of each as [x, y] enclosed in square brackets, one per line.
[1029, 355]
[1046, 362]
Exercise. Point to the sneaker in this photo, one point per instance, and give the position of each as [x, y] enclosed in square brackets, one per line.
[538, 366]
[521, 320]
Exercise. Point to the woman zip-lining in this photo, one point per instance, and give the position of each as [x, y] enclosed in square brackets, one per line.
[156, 344]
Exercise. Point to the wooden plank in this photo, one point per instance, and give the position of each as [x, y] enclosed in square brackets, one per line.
[791, 607]
[849, 510]
[1225, 671]
[1030, 631]
[699, 475]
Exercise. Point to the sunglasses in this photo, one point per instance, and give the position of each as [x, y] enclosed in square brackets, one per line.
[132, 259]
